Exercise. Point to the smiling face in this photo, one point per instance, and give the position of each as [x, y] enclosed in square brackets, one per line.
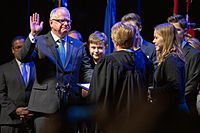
[98, 42]
[181, 32]
[60, 21]
[16, 46]
[97, 50]
[158, 41]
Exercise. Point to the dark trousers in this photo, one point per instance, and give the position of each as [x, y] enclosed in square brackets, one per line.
[21, 128]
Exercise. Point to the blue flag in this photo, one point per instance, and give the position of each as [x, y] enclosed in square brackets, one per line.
[59, 3]
[110, 20]
[64, 3]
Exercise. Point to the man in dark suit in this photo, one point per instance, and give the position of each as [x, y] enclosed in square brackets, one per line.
[15, 92]
[144, 50]
[59, 66]
[147, 47]
[192, 57]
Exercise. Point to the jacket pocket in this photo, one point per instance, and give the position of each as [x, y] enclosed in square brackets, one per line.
[40, 87]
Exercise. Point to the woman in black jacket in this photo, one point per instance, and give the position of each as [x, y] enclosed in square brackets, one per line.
[169, 79]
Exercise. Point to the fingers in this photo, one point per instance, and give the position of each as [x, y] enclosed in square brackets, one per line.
[23, 111]
[35, 18]
[26, 115]
[35, 25]
[41, 24]
[29, 115]
[84, 93]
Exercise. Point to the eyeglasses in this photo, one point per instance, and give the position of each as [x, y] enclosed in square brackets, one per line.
[62, 21]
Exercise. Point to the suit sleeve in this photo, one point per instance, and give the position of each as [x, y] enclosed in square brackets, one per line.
[193, 73]
[174, 74]
[154, 60]
[28, 52]
[86, 68]
[174, 79]
[5, 102]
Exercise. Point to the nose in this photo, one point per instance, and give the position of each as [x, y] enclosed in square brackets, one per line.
[96, 49]
[153, 41]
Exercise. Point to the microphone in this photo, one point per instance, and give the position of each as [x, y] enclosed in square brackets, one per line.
[64, 90]
[59, 87]
[57, 84]
[58, 90]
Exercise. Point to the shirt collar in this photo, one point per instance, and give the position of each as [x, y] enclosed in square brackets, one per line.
[141, 41]
[183, 43]
[21, 63]
[56, 38]
[18, 62]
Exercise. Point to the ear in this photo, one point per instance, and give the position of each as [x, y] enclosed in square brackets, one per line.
[12, 49]
[50, 22]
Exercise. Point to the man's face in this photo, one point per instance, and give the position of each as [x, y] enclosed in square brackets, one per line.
[60, 23]
[97, 50]
[17, 45]
[180, 31]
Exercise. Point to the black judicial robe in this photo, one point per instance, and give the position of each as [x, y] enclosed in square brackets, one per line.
[117, 87]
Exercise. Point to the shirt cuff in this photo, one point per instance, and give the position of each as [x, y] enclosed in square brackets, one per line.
[33, 40]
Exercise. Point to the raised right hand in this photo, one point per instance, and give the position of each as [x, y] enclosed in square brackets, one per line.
[35, 25]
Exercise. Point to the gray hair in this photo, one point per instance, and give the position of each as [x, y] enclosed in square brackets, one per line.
[54, 11]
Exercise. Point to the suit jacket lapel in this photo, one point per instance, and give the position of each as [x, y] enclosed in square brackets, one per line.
[69, 53]
[186, 49]
[17, 71]
[54, 55]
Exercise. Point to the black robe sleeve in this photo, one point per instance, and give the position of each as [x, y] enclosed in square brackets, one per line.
[116, 86]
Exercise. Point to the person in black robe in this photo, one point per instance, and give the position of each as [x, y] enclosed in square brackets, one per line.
[117, 91]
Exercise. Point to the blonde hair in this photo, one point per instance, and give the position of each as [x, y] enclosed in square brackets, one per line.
[171, 43]
[123, 35]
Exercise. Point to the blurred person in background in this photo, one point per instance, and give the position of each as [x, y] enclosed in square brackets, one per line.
[192, 57]
[16, 81]
[76, 35]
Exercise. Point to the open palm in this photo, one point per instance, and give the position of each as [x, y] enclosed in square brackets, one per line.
[35, 25]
